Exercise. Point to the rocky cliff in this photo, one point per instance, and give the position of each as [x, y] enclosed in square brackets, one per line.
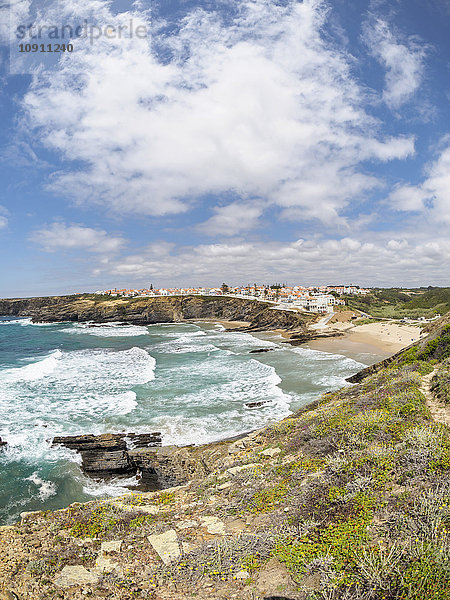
[27, 307]
[145, 311]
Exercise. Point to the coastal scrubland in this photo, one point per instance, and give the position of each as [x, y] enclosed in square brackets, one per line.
[397, 303]
[347, 499]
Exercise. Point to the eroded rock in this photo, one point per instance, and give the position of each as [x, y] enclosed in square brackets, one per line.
[108, 454]
[275, 581]
[270, 452]
[112, 546]
[261, 350]
[106, 565]
[236, 470]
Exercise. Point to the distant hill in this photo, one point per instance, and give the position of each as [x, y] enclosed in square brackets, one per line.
[399, 303]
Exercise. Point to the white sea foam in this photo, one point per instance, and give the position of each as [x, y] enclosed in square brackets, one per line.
[318, 355]
[47, 489]
[22, 322]
[33, 371]
[240, 342]
[52, 324]
[68, 392]
[212, 404]
[114, 487]
[114, 329]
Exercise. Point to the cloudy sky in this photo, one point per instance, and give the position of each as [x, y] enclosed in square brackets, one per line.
[228, 140]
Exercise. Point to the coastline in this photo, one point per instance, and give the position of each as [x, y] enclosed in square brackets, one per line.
[376, 340]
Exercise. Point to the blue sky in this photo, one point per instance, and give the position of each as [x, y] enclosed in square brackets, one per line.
[258, 140]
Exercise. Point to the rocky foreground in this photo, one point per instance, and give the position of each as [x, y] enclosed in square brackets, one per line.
[347, 499]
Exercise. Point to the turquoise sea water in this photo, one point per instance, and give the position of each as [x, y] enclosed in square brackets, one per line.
[189, 381]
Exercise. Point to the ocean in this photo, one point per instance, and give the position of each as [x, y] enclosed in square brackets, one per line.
[189, 381]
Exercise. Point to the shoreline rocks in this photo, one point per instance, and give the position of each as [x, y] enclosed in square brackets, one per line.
[110, 455]
[261, 350]
[147, 311]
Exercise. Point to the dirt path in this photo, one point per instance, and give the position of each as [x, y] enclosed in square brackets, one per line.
[439, 411]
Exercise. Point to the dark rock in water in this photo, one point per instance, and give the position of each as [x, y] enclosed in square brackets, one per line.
[261, 350]
[108, 455]
[2, 444]
[256, 404]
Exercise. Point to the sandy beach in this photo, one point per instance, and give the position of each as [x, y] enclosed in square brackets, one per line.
[380, 339]
[226, 324]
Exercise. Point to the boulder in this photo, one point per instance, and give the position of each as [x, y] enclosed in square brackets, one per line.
[261, 350]
[107, 455]
[256, 404]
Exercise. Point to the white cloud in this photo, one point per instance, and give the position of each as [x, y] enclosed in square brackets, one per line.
[3, 217]
[407, 198]
[264, 107]
[433, 195]
[60, 236]
[403, 62]
[386, 261]
[232, 219]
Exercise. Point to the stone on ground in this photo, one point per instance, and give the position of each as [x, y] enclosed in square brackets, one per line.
[271, 452]
[166, 545]
[213, 525]
[76, 575]
[275, 580]
[113, 546]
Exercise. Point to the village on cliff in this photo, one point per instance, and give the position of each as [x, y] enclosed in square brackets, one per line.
[319, 299]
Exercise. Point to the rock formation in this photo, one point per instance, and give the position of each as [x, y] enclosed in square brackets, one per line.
[109, 455]
[261, 350]
[260, 316]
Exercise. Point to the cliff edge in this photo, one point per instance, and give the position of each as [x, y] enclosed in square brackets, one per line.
[260, 316]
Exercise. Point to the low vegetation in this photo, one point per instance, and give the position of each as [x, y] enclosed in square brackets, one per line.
[399, 303]
[440, 384]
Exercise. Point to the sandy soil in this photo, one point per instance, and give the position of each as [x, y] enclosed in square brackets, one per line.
[226, 324]
[389, 336]
[378, 339]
